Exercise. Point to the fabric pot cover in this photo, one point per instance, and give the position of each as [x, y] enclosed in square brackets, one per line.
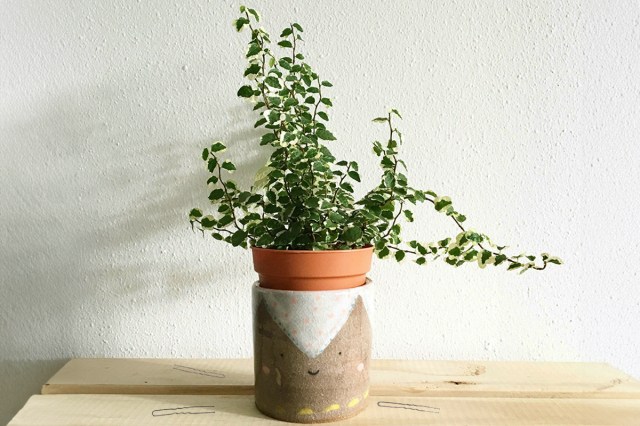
[312, 351]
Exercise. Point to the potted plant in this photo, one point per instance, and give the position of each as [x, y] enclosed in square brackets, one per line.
[312, 240]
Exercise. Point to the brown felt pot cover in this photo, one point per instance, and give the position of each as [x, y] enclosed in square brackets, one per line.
[308, 270]
[312, 351]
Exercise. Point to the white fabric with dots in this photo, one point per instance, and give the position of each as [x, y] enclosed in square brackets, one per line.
[311, 319]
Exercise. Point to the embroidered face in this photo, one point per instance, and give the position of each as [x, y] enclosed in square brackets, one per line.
[334, 381]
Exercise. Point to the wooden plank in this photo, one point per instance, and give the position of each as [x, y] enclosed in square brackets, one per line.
[158, 410]
[153, 376]
[502, 379]
[388, 377]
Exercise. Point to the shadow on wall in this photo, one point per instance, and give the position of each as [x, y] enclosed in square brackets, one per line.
[94, 226]
[21, 379]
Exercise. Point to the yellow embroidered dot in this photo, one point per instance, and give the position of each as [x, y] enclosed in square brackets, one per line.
[332, 408]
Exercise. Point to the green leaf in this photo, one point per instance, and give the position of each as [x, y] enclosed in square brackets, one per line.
[273, 82]
[217, 147]
[271, 209]
[268, 138]
[389, 180]
[441, 203]
[252, 70]
[395, 111]
[239, 23]
[290, 102]
[286, 64]
[474, 236]
[324, 134]
[205, 154]
[312, 202]
[326, 101]
[255, 14]
[225, 220]
[211, 165]
[228, 165]
[253, 50]
[216, 194]
[336, 217]
[243, 197]
[399, 255]
[323, 115]
[421, 261]
[265, 240]
[500, 259]
[254, 199]
[347, 187]
[380, 120]
[285, 43]
[260, 122]
[286, 32]
[195, 213]
[208, 222]
[514, 265]
[326, 84]
[245, 92]
[298, 27]
[354, 175]
[352, 234]
[238, 238]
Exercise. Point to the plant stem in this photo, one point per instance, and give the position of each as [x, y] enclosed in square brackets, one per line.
[226, 193]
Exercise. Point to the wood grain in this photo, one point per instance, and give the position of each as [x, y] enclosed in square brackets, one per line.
[158, 410]
[388, 377]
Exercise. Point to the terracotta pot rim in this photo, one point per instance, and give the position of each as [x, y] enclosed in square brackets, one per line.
[365, 248]
[368, 282]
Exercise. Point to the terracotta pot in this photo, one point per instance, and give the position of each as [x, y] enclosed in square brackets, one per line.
[308, 270]
[312, 351]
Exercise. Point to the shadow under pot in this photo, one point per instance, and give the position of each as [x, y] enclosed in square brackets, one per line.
[312, 351]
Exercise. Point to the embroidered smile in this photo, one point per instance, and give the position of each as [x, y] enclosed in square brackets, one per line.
[313, 373]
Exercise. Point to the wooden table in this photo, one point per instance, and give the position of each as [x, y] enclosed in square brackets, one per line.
[211, 392]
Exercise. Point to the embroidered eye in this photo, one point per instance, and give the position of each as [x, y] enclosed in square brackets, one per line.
[339, 353]
[281, 355]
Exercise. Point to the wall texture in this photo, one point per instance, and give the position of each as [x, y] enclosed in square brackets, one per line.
[527, 113]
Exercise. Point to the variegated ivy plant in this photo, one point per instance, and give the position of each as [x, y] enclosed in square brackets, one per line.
[305, 198]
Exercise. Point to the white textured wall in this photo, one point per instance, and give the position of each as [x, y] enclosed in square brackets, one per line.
[526, 113]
